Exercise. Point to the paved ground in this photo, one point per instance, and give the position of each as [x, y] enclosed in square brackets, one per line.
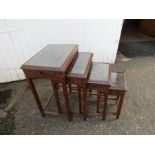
[137, 117]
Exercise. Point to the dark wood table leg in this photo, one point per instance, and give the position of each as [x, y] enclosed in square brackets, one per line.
[120, 105]
[105, 106]
[85, 106]
[98, 101]
[35, 94]
[80, 100]
[70, 88]
[68, 110]
[90, 92]
[117, 100]
[55, 86]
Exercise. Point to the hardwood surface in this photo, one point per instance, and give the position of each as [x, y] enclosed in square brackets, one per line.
[118, 81]
[81, 67]
[52, 57]
[99, 74]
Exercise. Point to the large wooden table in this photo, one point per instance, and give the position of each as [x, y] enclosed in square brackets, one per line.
[51, 63]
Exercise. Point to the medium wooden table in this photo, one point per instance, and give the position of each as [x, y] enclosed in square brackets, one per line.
[78, 74]
[51, 63]
[100, 79]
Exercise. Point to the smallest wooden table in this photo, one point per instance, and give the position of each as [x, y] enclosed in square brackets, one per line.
[99, 79]
[118, 89]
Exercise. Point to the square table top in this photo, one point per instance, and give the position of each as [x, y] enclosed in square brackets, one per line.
[52, 57]
[82, 65]
[100, 74]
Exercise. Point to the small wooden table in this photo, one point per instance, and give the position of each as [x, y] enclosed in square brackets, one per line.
[99, 79]
[118, 88]
[51, 63]
[78, 75]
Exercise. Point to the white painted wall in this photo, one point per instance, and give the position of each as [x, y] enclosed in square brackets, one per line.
[21, 39]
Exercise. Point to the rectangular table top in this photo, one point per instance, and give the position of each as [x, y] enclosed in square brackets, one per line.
[82, 65]
[118, 81]
[52, 57]
[99, 74]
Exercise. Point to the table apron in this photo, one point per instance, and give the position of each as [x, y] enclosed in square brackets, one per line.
[55, 76]
[101, 88]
